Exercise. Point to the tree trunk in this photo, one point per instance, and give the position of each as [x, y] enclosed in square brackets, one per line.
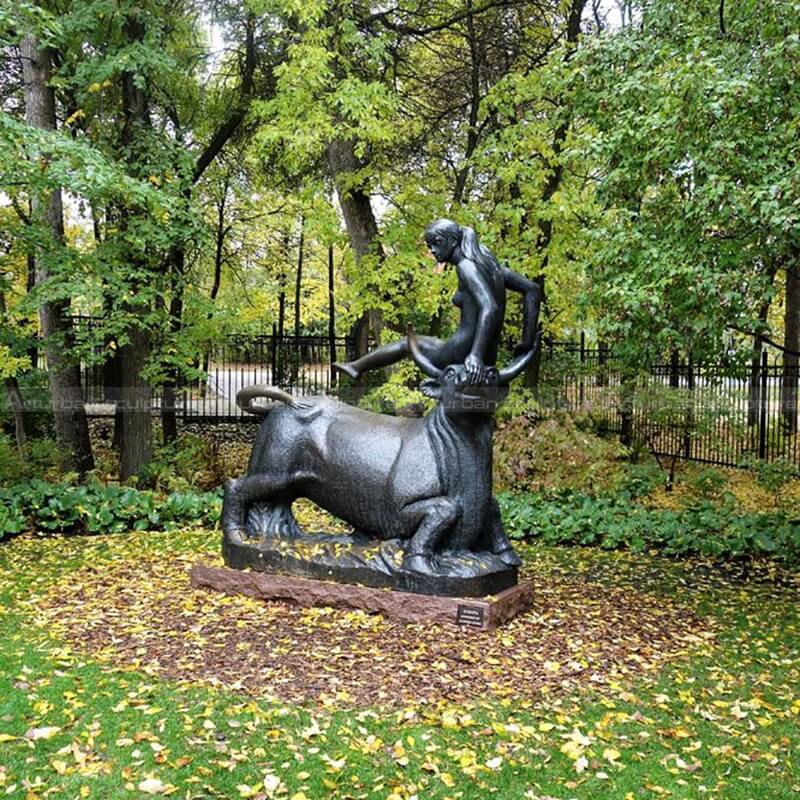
[298, 284]
[279, 362]
[169, 420]
[219, 244]
[33, 350]
[553, 182]
[69, 412]
[626, 395]
[332, 316]
[602, 360]
[474, 108]
[135, 407]
[23, 428]
[791, 341]
[674, 369]
[362, 227]
[533, 373]
[754, 387]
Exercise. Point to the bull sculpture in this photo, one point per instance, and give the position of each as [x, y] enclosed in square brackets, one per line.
[424, 482]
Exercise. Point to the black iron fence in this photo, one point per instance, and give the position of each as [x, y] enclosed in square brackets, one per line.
[298, 364]
[717, 414]
[724, 415]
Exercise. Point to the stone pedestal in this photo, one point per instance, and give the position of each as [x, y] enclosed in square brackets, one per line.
[376, 563]
[479, 613]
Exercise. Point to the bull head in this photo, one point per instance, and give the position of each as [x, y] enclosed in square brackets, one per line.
[450, 384]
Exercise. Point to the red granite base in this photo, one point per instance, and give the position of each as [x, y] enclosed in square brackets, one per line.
[480, 613]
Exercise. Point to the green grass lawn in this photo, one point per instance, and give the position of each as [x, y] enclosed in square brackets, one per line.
[103, 696]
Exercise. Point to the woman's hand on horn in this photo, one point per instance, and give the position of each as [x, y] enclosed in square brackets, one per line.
[475, 368]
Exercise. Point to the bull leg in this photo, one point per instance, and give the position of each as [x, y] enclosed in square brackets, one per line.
[496, 539]
[241, 493]
[233, 512]
[438, 515]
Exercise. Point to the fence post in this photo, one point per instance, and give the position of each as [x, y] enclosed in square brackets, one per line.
[581, 386]
[273, 357]
[762, 416]
[626, 390]
[689, 423]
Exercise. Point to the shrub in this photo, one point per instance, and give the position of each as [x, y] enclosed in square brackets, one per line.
[190, 461]
[613, 522]
[708, 483]
[42, 458]
[554, 453]
[95, 508]
[398, 394]
[774, 475]
[35, 389]
[521, 402]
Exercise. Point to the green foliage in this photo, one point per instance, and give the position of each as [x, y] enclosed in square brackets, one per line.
[521, 402]
[35, 391]
[640, 479]
[42, 459]
[94, 508]
[689, 131]
[612, 522]
[773, 475]
[398, 394]
[191, 462]
[708, 483]
[554, 453]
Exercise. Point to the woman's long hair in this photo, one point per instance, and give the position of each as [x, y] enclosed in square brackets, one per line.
[470, 246]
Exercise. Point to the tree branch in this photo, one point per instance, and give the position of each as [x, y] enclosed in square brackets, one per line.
[382, 18]
[237, 115]
[766, 339]
[24, 218]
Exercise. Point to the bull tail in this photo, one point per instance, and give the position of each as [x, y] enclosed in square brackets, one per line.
[246, 396]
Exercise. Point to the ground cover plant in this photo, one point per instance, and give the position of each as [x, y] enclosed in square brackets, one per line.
[633, 677]
[719, 530]
[97, 508]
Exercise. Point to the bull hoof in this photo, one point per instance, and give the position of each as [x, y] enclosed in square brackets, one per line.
[235, 535]
[509, 557]
[419, 563]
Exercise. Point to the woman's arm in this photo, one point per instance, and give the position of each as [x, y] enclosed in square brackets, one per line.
[488, 318]
[531, 303]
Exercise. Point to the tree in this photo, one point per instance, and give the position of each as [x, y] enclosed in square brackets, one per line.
[46, 214]
[396, 103]
[688, 122]
[114, 164]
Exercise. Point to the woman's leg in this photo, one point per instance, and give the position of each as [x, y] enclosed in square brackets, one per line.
[391, 353]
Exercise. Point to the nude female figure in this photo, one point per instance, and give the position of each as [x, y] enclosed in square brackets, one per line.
[481, 296]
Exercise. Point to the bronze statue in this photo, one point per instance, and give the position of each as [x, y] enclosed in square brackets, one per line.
[481, 296]
[417, 492]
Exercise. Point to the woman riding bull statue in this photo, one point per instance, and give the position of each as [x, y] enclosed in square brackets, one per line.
[416, 491]
[481, 296]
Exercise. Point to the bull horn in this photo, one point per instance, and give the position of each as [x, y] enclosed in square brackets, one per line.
[508, 373]
[422, 361]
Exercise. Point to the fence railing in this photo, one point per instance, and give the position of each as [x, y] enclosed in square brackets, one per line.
[298, 364]
[721, 415]
[715, 414]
